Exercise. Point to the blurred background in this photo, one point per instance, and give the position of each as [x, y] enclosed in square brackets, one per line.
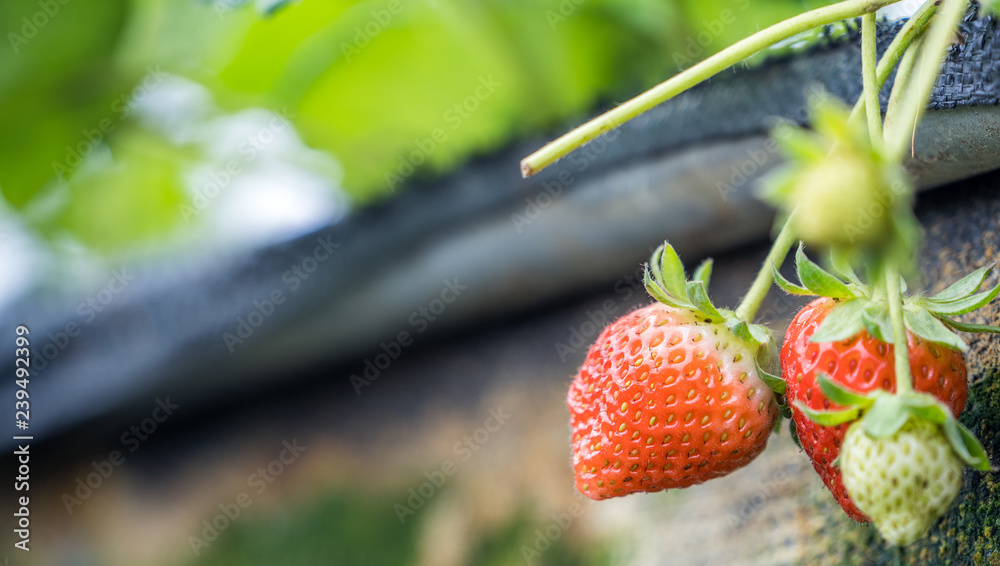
[290, 302]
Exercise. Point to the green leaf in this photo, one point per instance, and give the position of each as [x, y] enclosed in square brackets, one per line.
[843, 321]
[828, 418]
[968, 326]
[703, 272]
[699, 298]
[886, 416]
[819, 281]
[786, 285]
[964, 286]
[963, 305]
[877, 323]
[775, 382]
[841, 395]
[925, 325]
[799, 144]
[927, 407]
[656, 291]
[760, 333]
[979, 459]
[740, 329]
[842, 267]
[966, 445]
[795, 434]
[668, 271]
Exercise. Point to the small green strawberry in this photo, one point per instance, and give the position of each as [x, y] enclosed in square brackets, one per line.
[903, 482]
[846, 193]
[901, 462]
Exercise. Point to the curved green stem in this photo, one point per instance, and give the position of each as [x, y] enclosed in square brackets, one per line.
[904, 381]
[900, 84]
[762, 283]
[869, 57]
[939, 37]
[724, 59]
[912, 30]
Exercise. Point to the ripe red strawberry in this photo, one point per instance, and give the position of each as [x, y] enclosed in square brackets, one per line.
[668, 397]
[861, 363]
[841, 336]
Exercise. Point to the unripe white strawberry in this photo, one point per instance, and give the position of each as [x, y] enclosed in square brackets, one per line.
[903, 482]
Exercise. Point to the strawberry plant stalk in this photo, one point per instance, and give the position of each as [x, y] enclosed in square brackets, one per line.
[762, 283]
[684, 80]
[902, 79]
[904, 381]
[939, 38]
[868, 75]
[912, 31]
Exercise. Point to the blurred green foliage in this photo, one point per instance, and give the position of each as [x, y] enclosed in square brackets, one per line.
[393, 89]
[351, 527]
[341, 528]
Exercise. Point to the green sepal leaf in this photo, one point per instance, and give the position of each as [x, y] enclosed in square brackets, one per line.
[964, 286]
[668, 271]
[775, 382]
[819, 281]
[927, 407]
[973, 454]
[841, 395]
[963, 305]
[925, 325]
[656, 291]
[741, 330]
[795, 434]
[886, 416]
[783, 409]
[829, 418]
[703, 272]
[840, 265]
[842, 322]
[798, 144]
[699, 298]
[876, 321]
[968, 326]
[760, 333]
[786, 285]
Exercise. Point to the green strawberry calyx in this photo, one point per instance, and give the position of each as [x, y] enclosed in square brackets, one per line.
[883, 413]
[865, 307]
[666, 282]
